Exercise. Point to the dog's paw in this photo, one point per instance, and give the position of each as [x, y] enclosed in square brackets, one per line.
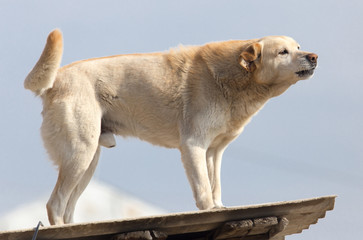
[218, 204]
[107, 140]
[219, 207]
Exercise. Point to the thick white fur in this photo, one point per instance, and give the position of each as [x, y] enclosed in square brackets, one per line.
[197, 99]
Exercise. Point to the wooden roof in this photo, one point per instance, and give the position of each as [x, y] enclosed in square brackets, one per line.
[263, 221]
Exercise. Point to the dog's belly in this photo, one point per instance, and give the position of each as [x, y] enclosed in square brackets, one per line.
[157, 130]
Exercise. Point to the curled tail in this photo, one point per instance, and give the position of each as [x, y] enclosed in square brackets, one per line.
[43, 74]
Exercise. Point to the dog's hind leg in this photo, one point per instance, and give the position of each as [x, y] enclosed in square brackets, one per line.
[78, 190]
[71, 139]
[70, 175]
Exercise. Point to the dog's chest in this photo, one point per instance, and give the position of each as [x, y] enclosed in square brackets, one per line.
[241, 115]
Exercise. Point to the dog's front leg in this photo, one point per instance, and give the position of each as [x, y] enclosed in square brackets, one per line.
[194, 160]
[214, 161]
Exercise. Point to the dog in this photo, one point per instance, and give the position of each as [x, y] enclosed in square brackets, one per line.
[197, 99]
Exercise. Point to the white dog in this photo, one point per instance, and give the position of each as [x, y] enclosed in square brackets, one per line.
[197, 99]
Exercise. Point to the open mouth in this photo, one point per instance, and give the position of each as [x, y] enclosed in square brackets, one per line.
[305, 73]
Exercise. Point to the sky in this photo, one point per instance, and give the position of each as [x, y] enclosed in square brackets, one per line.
[305, 143]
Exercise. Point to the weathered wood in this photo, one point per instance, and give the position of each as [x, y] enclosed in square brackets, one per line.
[267, 226]
[300, 214]
[252, 237]
[275, 232]
[234, 229]
[263, 225]
[141, 235]
[157, 235]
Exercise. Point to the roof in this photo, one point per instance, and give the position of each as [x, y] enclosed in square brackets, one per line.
[263, 221]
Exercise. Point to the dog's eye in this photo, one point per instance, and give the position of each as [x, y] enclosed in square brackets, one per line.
[284, 52]
[298, 47]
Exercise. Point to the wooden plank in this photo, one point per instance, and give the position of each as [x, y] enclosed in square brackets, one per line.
[180, 223]
[238, 229]
[263, 225]
[140, 235]
[276, 232]
[234, 229]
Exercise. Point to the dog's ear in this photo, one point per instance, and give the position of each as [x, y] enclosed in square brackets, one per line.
[249, 55]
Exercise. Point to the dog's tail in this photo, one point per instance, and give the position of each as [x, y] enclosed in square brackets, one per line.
[43, 74]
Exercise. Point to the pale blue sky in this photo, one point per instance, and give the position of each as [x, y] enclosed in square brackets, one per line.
[306, 143]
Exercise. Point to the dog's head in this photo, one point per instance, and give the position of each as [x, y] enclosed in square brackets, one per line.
[278, 60]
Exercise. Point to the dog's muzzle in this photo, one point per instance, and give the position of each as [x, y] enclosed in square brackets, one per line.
[312, 59]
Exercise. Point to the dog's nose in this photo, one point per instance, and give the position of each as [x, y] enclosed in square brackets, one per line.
[312, 57]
